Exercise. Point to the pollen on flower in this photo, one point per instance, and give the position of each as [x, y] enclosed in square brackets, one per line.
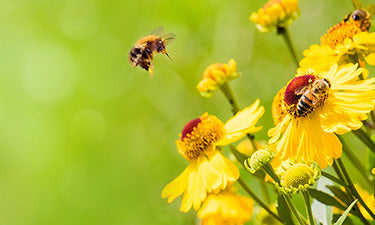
[278, 107]
[189, 127]
[298, 174]
[199, 135]
[338, 33]
[292, 92]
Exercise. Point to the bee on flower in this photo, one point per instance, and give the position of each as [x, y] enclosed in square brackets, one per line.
[315, 106]
[275, 13]
[209, 171]
[347, 42]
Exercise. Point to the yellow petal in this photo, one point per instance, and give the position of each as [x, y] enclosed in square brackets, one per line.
[305, 139]
[243, 122]
[177, 186]
[210, 173]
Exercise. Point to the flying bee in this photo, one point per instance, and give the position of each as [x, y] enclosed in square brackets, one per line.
[361, 17]
[142, 53]
[313, 96]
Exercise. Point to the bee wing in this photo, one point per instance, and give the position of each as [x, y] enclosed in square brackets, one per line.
[357, 4]
[158, 31]
[168, 37]
[371, 9]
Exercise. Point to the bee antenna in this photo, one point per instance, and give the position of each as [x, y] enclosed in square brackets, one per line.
[168, 56]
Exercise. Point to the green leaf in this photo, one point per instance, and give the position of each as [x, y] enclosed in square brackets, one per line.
[283, 210]
[325, 198]
[239, 156]
[340, 194]
[342, 218]
[260, 174]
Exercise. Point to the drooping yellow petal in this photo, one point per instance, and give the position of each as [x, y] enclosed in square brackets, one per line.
[276, 132]
[244, 118]
[177, 186]
[305, 139]
[210, 173]
[225, 208]
[242, 123]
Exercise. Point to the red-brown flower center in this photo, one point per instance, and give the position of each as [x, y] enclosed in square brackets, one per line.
[294, 89]
[189, 127]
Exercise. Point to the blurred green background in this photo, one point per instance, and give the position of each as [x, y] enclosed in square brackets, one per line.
[87, 139]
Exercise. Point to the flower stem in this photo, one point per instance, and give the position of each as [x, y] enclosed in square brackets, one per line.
[228, 93]
[354, 160]
[353, 189]
[333, 178]
[306, 196]
[293, 209]
[372, 116]
[285, 34]
[268, 169]
[340, 174]
[365, 139]
[264, 191]
[257, 200]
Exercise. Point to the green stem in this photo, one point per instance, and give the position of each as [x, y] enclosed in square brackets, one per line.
[228, 93]
[372, 116]
[353, 189]
[286, 36]
[354, 160]
[264, 191]
[306, 196]
[365, 139]
[256, 199]
[268, 169]
[341, 176]
[293, 209]
[333, 178]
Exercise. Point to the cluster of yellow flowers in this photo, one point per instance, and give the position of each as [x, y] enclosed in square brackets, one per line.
[330, 95]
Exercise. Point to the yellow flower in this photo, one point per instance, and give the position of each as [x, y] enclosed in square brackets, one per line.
[369, 200]
[246, 147]
[278, 107]
[209, 171]
[373, 171]
[275, 13]
[258, 159]
[309, 135]
[216, 75]
[225, 208]
[296, 177]
[262, 217]
[344, 43]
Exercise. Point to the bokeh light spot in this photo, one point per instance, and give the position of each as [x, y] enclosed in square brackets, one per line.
[49, 73]
[88, 126]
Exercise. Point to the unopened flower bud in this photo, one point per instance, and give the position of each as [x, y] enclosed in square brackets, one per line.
[216, 75]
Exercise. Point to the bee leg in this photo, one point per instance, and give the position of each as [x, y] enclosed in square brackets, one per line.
[165, 52]
[151, 68]
[151, 71]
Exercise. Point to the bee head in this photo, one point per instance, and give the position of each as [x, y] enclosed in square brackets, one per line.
[359, 14]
